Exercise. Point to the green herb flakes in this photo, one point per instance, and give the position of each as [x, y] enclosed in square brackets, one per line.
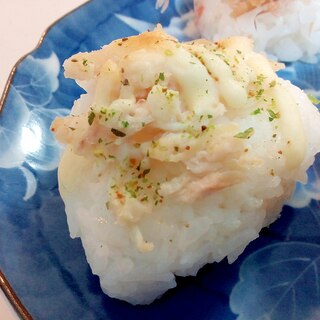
[272, 84]
[257, 111]
[247, 134]
[260, 79]
[273, 115]
[259, 93]
[313, 99]
[168, 52]
[161, 76]
[125, 124]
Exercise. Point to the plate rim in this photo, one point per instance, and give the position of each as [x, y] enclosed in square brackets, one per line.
[5, 286]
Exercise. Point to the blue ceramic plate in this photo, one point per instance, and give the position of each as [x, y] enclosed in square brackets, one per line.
[278, 276]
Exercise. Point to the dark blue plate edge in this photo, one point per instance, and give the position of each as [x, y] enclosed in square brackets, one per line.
[5, 286]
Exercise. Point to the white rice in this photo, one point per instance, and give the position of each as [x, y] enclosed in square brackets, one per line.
[289, 33]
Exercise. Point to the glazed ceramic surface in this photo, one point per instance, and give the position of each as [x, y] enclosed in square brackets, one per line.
[278, 275]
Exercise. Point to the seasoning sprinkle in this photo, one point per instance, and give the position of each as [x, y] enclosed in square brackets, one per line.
[118, 133]
[257, 111]
[272, 84]
[161, 76]
[203, 128]
[273, 115]
[246, 134]
[313, 99]
[125, 82]
[91, 117]
[125, 124]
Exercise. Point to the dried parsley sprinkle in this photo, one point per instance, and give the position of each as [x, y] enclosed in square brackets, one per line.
[257, 111]
[273, 115]
[161, 76]
[272, 84]
[85, 62]
[99, 153]
[260, 79]
[91, 117]
[125, 124]
[132, 192]
[168, 52]
[118, 133]
[246, 134]
[313, 99]
[259, 93]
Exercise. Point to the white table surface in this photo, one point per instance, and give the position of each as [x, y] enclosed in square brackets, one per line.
[21, 26]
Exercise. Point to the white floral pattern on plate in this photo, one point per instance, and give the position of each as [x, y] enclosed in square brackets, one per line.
[48, 270]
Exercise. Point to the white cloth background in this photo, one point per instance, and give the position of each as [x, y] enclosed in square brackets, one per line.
[21, 25]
